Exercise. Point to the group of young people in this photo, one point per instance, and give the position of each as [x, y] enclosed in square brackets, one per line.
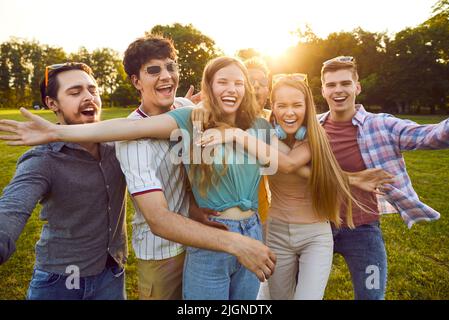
[232, 201]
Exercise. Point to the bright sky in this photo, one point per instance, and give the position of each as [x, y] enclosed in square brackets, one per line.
[234, 24]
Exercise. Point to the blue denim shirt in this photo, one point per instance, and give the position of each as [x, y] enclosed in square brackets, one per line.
[83, 205]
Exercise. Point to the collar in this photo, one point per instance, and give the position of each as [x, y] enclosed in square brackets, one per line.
[142, 113]
[359, 117]
[57, 147]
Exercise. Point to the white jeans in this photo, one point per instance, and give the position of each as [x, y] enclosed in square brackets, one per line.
[304, 260]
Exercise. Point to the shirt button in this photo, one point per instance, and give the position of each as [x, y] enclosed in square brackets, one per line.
[107, 186]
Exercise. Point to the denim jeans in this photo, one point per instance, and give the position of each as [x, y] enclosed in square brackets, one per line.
[108, 285]
[212, 275]
[363, 249]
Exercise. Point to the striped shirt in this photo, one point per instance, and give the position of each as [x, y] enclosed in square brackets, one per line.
[382, 138]
[147, 168]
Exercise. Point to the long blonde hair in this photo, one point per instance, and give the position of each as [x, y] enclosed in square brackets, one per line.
[246, 115]
[328, 184]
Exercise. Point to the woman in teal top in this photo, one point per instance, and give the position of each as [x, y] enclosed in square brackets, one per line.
[239, 186]
[227, 185]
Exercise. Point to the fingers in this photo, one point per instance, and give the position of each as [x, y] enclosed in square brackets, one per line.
[27, 114]
[8, 125]
[189, 93]
[381, 188]
[217, 225]
[210, 212]
[265, 272]
[377, 191]
[196, 98]
[260, 275]
[387, 181]
[16, 143]
[207, 139]
[197, 127]
[10, 137]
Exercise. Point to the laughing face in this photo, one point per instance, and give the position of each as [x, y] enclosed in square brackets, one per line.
[157, 89]
[340, 90]
[228, 87]
[77, 100]
[289, 108]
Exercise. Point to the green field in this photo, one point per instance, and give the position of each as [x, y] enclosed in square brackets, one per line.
[418, 259]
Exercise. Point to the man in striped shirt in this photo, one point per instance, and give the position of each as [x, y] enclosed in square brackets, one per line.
[361, 140]
[157, 185]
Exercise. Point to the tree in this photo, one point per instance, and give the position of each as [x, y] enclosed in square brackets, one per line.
[105, 63]
[124, 93]
[246, 54]
[441, 7]
[194, 51]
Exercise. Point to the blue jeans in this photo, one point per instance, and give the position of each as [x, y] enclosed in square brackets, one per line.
[363, 249]
[212, 275]
[108, 285]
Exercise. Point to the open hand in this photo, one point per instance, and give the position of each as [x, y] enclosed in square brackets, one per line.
[202, 215]
[256, 257]
[200, 117]
[215, 136]
[371, 180]
[29, 133]
[195, 98]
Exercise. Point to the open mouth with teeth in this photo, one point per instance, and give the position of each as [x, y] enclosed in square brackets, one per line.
[165, 90]
[229, 101]
[89, 112]
[339, 99]
[290, 122]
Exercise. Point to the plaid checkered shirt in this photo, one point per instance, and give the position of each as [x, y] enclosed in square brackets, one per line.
[381, 139]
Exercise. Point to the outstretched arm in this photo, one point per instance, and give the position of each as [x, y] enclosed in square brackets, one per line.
[40, 131]
[253, 254]
[408, 135]
[371, 180]
[21, 195]
[266, 154]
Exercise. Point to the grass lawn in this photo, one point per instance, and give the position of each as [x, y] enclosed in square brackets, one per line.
[418, 259]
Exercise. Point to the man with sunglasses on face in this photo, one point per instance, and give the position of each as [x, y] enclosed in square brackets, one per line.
[360, 140]
[82, 248]
[158, 186]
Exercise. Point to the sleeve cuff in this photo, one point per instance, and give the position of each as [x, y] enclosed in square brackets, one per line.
[134, 194]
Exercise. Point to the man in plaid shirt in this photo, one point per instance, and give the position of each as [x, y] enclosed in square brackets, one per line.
[360, 140]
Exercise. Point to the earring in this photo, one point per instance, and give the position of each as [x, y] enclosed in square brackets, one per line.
[301, 133]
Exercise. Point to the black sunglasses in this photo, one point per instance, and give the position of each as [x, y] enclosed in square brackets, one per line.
[171, 67]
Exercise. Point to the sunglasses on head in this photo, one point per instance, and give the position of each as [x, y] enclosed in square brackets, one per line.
[171, 67]
[339, 59]
[262, 82]
[302, 77]
[53, 67]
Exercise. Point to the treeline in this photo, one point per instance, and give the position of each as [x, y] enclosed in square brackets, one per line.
[407, 73]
